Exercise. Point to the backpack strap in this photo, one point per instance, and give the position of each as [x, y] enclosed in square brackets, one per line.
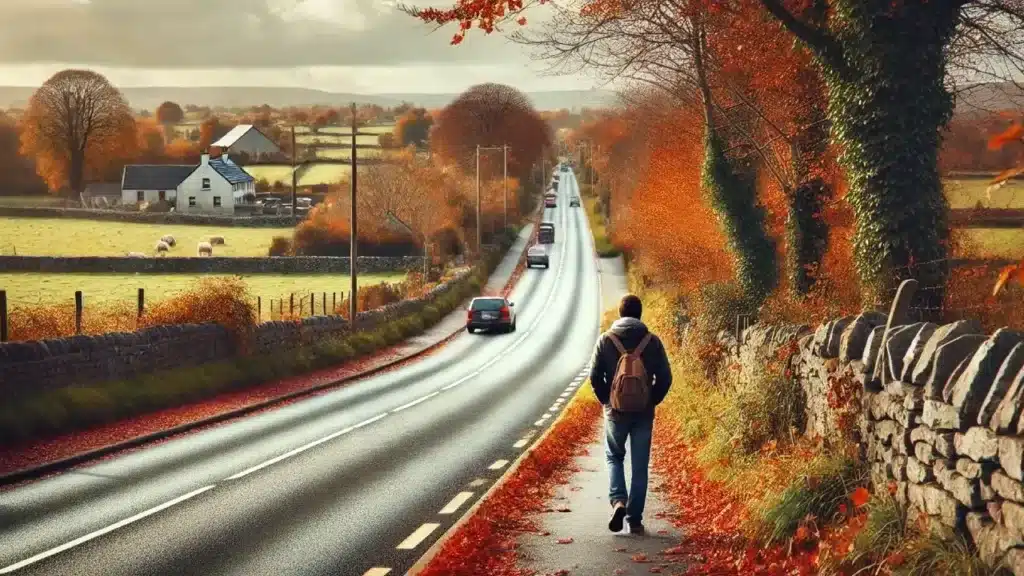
[617, 343]
[643, 343]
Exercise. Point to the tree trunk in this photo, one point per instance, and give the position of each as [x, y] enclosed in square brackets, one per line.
[76, 172]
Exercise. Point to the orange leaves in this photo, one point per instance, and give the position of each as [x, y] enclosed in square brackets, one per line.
[1011, 273]
[1014, 133]
[564, 540]
[860, 497]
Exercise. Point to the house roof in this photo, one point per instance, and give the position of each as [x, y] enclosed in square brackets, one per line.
[155, 176]
[103, 189]
[228, 140]
[231, 172]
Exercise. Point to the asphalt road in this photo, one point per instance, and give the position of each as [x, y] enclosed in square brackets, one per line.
[357, 481]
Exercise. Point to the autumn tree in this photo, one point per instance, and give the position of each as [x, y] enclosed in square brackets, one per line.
[20, 177]
[169, 113]
[413, 127]
[491, 115]
[386, 140]
[211, 130]
[74, 121]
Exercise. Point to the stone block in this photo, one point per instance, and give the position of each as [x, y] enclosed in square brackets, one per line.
[935, 501]
[987, 493]
[942, 335]
[922, 434]
[895, 348]
[898, 467]
[834, 337]
[872, 349]
[880, 405]
[1011, 455]
[914, 350]
[940, 416]
[944, 444]
[918, 472]
[977, 443]
[943, 470]
[924, 453]
[1009, 372]
[947, 359]
[975, 470]
[969, 391]
[965, 490]
[1013, 517]
[1007, 487]
[885, 430]
[855, 335]
[1014, 561]
[1007, 418]
[991, 540]
[821, 339]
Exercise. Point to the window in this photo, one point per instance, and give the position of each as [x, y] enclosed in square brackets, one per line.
[206, 183]
[216, 201]
[489, 304]
[140, 196]
[162, 195]
[192, 201]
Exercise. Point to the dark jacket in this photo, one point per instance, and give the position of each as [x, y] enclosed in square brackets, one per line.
[630, 332]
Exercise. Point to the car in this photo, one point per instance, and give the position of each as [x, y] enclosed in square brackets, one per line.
[574, 201]
[546, 233]
[550, 201]
[537, 255]
[491, 313]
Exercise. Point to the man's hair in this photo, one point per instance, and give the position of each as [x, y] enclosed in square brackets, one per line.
[630, 307]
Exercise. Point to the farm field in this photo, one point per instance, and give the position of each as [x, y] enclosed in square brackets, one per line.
[36, 289]
[966, 193]
[66, 237]
[31, 201]
[993, 243]
[335, 139]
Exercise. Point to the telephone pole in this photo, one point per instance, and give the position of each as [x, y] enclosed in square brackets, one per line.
[479, 238]
[294, 177]
[353, 233]
[504, 150]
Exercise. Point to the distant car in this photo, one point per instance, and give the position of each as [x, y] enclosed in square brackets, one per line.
[574, 201]
[537, 255]
[491, 313]
[271, 205]
[550, 201]
[546, 233]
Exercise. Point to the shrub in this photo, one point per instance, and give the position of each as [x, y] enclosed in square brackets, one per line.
[224, 301]
[884, 530]
[430, 315]
[373, 297]
[280, 246]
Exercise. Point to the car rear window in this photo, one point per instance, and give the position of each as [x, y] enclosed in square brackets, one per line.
[537, 250]
[547, 225]
[488, 304]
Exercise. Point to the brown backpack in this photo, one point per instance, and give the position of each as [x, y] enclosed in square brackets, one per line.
[631, 389]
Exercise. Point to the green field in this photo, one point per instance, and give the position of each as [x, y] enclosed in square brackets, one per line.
[67, 237]
[334, 139]
[968, 192]
[992, 243]
[33, 289]
[31, 201]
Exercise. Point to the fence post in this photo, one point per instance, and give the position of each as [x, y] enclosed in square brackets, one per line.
[312, 304]
[334, 302]
[78, 311]
[325, 304]
[3, 315]
[259, 309]
[142, 303]
[291, 304]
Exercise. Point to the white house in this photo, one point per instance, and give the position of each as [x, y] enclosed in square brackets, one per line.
[212, 186]
[247, 139]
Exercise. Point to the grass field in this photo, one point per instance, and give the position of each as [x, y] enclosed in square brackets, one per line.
[335, 139]
[66, 237]
[968, 192]
[33, 289]
[31, 201]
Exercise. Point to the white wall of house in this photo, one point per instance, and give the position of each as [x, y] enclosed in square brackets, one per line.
[139, 196]
[205, 191]
[253, 143]
[241, 189]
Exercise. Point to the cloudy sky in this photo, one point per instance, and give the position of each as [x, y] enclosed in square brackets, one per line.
[364, 46]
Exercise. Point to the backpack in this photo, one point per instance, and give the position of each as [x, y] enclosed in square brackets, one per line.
[631, 389]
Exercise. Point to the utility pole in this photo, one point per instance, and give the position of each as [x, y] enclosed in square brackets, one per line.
[479, 237]
[504, 149]
[294, 177]
[354, 235]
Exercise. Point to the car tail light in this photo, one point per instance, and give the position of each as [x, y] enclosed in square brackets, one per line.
[504, 313]
[469, 315]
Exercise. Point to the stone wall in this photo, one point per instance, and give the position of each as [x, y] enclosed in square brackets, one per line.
[32, 367]
[247, 221]
[209, 265]
[939, 420]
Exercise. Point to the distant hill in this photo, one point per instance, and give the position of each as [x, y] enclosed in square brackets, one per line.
[232, 97]
[990, 96]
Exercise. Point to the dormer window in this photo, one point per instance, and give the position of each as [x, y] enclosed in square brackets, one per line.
[206, 183]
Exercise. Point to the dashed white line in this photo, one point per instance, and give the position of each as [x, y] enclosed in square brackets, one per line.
[520, 443]
[415, 402]
[545, 416]
[460, 499]
[477, 482]
[539, 422]
[377, 572]
[418, 536]
[102, 531]
[498, 465]
[563, 395]
[303, 448]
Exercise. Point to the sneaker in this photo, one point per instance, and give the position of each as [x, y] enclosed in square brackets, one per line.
[618, 515]
[636, 528]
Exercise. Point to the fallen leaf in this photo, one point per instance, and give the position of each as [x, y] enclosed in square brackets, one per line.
[639, 558]
[565, 509]
[673, 550]
[622, 549]
[860, 497]
[565, 540]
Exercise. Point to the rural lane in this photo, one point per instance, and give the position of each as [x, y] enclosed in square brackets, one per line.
[357, 481]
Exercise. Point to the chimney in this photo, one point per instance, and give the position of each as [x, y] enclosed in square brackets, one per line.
[204, 159]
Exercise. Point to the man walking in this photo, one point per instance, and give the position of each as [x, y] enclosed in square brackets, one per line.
[630, 374]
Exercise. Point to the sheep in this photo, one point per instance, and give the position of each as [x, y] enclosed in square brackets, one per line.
[136, 255]
[205, 249]
[168, 239]
[162, 247]
[216, 240]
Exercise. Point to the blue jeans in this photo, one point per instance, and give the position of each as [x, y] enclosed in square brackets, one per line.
[638, 430]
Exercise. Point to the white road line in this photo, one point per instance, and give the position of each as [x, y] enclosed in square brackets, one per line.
[418, 536]
[303, 448]
[457, 502]
[563, 395]
[102, 531]
[554, 408]
[545, 416]
[477, 482]
[539, 422]
[415, 402]
[521, 443]
[498, 465]
[463, 379]
[377, 572]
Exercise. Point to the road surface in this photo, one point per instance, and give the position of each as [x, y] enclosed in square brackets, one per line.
[357, 481]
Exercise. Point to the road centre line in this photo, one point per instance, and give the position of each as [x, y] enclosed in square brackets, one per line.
[522, 442]
[456, 503]
[377, 572]
[415, 402]
[305, 447]
[498, 465]
[102, 531]
[477, 482]
[539, 423]
[418, 536]
[545, 416]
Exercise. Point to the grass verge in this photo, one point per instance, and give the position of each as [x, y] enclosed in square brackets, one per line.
[602, 244]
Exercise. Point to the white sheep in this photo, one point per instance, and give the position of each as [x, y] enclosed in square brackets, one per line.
[205, 249]
[216, 240]
[168, 239]
[136, 255]
[162, 247]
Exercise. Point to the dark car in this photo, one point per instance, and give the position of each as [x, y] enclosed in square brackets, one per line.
[537, 255]
[574, 201]
[546, 233]
[550, 201]
[491, 313]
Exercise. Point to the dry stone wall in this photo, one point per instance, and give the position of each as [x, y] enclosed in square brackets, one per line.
[940, 416]
[209, 265]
